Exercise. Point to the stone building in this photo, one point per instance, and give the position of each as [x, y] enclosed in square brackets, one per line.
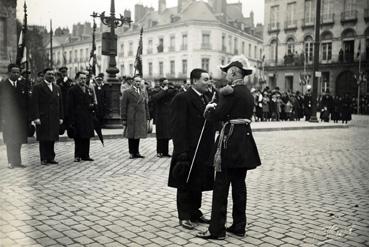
[289, 40]
[175, 40]
[8, 34]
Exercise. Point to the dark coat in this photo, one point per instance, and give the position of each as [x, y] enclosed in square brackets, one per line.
[48, 107]
[187, 121]
[346, 109]
[241, 150]
[101, 96]
[135, 110]
[80, 111]
[162, 100]
[14, 111]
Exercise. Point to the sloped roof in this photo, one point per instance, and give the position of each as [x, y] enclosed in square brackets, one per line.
[234, 11]
[199, 11]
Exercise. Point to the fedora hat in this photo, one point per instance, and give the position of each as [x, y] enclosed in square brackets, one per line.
[240, 61]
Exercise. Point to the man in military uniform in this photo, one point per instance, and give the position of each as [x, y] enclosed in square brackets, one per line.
[13, 115]
[236, 150]
[187, 125]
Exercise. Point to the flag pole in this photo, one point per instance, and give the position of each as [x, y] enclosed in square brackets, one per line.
[51, 44]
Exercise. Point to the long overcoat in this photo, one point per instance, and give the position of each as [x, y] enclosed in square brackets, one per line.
[187, 121]
[47, 106]
[162, 100]
[14, 111]
[134, 109]
[239, 149]
[80, 111]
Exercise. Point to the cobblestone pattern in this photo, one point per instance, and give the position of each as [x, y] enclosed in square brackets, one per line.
[312, 190]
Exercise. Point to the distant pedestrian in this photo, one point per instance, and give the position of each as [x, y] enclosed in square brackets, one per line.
[47, 114]
[308, 102]
[162, 99]
[80, 103]
[14, 115]
[346, 109]
[134, 111]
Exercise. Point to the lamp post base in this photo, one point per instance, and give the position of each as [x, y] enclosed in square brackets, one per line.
[313, 119]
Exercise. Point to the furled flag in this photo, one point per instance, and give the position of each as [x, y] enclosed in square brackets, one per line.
[359, 49]
[138, 61]
[21, 51]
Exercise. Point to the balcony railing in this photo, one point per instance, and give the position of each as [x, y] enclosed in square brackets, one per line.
[290, 24]
[273, 27]
[349, 16]
[366, 15]
[205, 46]
[327, 18]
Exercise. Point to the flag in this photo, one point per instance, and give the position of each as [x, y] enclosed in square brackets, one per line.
[359, 49]
[138, 61]
[21, 53]
[92, 61]
[24, 56]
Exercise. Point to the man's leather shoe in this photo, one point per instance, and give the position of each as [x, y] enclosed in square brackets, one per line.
[202, 220]
[186, 224]
[21, 166]
[52, 162]
[208, 235]
[139, 156]
[167, 155]
[238, 233]
[132, 156]
[88, 159]
[77, 159]
[159, 155]
[44, 162]
[10, 166]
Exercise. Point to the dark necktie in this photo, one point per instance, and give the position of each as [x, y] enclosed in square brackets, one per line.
[203, 99]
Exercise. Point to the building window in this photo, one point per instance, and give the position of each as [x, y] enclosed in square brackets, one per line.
[81, 55]
[273, 48]
[224, 48]
[131, 69]
[326, 12]
[2, 37]
[87, 54]
[205, 64]
[150, 68]
[130, 48]
[235, 46]
[122, 69]
[291, 8]
[184, 67]
[309, 12]
[172, 67]
[255, 51]
[274, 12]
[70, 57]
[205, 41]
[161, 45]
[243, 48]
[230, 44]
[99, 50]
[161, 69]
[261, 53]
[75, 56]
[184, 42]
[308, 49]
[325, 81]
[250, 50]
[121, 54]
[149, 47]
[172, 43]
[350, 5]
[290, 46]
[289, 83]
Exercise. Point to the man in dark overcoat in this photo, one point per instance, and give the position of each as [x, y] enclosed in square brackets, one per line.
[187, 123]
[308, 102]
[64, 83]
[134, 111]
[14, 115]
[162, 99]
[101, 96]
[236, 150]
[47, 114]
[80, 104]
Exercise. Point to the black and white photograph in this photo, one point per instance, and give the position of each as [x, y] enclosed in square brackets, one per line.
[184, 123]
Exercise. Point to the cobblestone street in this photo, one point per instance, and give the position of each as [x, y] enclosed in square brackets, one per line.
[312, 190]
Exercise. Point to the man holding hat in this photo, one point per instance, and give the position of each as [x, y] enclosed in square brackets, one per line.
[236, 151]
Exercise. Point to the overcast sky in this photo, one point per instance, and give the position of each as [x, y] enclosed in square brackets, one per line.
[64, 13]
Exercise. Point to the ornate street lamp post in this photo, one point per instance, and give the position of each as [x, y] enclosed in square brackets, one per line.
[109, 39]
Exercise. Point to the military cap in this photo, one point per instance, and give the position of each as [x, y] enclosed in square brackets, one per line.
[63, 68]
[241, 62]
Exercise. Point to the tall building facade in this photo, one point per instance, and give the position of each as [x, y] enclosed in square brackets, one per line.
[289, 44]
[8, 34]
[175, 40]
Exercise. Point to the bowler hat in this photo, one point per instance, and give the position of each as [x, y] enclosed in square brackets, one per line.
[240, 61]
